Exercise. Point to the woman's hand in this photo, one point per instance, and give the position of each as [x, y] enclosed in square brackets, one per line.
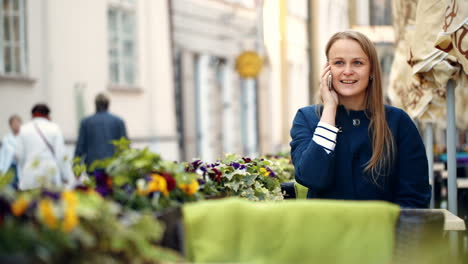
[329, 95]
[329, 98]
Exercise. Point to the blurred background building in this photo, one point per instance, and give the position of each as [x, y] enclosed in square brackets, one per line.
[169, 66]
[63, 52]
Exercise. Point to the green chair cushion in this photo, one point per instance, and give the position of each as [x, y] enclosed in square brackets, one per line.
[301, 191]
[294, 231]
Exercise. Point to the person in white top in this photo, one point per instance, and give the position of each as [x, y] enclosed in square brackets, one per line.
[41, 153]
[8, 149]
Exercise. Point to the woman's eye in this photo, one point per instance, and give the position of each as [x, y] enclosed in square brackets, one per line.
[338, 62]
[358, 62]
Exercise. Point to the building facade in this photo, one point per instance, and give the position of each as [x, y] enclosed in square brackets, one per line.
[64, 52]
[220, 112]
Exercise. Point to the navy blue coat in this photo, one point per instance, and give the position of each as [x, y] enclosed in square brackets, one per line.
[96, 134]
[340, 174]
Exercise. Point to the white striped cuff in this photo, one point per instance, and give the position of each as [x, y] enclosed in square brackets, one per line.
[325, 136]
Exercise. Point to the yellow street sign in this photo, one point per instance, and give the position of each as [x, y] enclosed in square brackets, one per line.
[248, 64]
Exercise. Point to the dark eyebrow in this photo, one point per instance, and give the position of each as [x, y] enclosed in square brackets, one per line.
[340, 58]
[358, 58]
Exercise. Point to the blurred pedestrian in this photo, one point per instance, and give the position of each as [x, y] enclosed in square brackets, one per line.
[351, 146]
[41, 153]
[97, 132]
[8, 149]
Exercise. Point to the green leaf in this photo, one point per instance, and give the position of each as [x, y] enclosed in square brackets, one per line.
[120, 180]
[6, 178]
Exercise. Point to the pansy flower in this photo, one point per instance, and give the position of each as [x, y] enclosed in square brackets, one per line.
[191, 188]
[49, 194]
[70, 219]
[19, 206]
[193, 166]
[103, 182]
[201, 181]
[157, 183]
[264, 172]
[171, 182]
[215, 174]
[46, 211]
[272, 173]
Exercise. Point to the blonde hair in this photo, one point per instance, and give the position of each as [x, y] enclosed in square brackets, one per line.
[383, 146]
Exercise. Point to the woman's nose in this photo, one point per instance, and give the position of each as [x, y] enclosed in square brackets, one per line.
[348, 70]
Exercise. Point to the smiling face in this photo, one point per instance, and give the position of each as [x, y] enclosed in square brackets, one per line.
[350, 68]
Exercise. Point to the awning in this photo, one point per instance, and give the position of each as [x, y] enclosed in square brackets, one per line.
[420, 71]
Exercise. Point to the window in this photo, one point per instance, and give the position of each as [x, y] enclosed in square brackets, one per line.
[13, 37]
[381, 12]
[122, 42]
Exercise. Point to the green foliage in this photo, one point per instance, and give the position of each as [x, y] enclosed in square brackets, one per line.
[79, 167]
[254, 179]
[283, 165]
[6, 178]
[105, 232]
[132, 164]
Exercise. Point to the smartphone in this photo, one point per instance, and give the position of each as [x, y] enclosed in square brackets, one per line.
[330, 82]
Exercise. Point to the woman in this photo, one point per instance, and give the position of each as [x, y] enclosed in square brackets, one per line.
[352, 146]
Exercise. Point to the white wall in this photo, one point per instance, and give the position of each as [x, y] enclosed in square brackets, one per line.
[297, 61]
[67, 44]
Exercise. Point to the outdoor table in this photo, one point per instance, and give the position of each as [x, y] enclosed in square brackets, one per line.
[451, 223]
[418, 226]
[462, 183]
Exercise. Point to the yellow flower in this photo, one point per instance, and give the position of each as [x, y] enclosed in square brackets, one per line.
[19, 206]
[70, 220]
[70, 198]
[158, 183]
[264, 172]
[191, 188]
[47, 212]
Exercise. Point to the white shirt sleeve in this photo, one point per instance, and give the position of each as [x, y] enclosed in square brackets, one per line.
[325, 136]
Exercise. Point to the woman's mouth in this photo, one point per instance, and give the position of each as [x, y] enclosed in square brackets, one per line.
[348, 81]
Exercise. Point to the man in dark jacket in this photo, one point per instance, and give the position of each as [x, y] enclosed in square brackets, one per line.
[97, 132]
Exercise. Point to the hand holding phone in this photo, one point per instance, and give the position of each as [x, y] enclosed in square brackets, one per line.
[330, 87]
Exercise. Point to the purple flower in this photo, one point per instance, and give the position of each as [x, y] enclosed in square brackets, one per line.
[127, 188]
[243, 167]
[196, 164]
[201, 181]
[103, 190]
[53, 195]
[235, 165]
[103, 182]
[272, 173]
